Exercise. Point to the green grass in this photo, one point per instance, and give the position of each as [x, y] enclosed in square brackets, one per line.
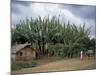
[21, 65]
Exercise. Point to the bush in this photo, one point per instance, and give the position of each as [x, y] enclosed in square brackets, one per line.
[57, 49]
[20, 65]
[15, 67]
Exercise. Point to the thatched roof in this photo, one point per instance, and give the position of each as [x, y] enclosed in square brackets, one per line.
[18, 47]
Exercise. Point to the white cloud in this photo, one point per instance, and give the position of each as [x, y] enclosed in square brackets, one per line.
[43, 10]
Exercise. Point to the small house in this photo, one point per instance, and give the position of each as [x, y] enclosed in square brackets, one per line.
[89, 53]
[23, 52]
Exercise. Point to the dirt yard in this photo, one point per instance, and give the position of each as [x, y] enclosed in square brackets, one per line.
[46, 65]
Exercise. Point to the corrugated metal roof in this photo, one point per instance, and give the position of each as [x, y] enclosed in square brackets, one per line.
[90, 51]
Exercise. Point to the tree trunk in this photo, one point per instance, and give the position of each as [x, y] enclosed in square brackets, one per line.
[39, 45]
[43, 46]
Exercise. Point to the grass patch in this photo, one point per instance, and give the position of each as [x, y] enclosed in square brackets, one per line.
[20, 65]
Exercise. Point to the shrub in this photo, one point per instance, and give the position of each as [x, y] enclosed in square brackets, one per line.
[15, 66]
[20, 65]
[58, 49]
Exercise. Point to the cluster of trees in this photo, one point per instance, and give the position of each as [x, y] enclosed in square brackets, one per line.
[52, 37]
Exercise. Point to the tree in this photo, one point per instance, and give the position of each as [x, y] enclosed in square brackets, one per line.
[52, 36]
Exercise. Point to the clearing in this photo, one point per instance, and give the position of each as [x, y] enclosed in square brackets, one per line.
[60, 65]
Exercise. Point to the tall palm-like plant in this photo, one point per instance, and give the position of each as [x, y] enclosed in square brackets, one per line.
[47, 34]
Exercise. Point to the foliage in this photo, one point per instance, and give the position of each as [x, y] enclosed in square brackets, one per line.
[20, 65]
[53, 37]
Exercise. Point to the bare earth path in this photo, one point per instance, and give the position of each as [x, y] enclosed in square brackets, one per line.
[62, 65]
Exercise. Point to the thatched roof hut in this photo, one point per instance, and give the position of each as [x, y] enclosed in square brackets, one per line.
[23, 52]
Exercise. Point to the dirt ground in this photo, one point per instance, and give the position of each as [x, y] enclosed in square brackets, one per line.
[52, 65]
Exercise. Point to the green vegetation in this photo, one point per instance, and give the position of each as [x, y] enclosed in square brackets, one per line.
[20, 65]
[52, 37]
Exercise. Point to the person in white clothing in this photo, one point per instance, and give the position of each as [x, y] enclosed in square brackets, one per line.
[81, 55]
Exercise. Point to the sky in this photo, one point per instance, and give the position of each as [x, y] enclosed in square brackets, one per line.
[77, 14]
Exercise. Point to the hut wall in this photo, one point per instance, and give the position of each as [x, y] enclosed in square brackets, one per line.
[26, 54]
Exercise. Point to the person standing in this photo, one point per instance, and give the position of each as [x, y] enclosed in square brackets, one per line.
[81, 55]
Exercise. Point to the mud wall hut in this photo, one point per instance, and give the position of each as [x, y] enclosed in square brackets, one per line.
[23, 52]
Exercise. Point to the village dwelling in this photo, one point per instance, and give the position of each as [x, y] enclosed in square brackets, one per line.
[90, 53]
[23, 52]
